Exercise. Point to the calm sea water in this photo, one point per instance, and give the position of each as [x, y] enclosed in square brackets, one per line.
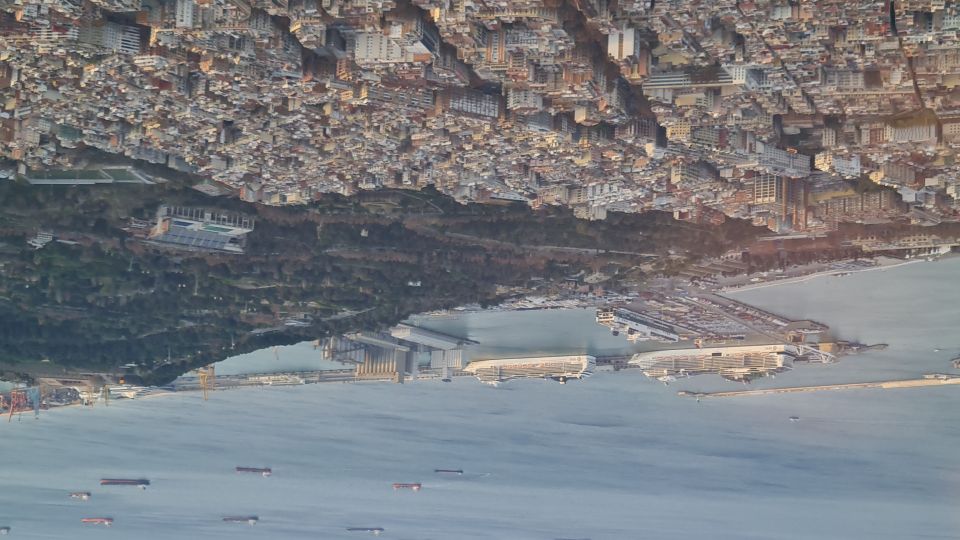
[614, 457]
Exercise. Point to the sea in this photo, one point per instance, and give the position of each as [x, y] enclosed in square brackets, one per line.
[615, 456]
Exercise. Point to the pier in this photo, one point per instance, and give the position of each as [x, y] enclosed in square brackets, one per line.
[926, 381]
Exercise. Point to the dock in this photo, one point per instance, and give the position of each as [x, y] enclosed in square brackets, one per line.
[928, 380]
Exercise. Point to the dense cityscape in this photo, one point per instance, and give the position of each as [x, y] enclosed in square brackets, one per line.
[430, 265]
[795, 115]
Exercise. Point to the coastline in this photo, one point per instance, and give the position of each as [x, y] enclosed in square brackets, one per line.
[838, 272]
[581, 303]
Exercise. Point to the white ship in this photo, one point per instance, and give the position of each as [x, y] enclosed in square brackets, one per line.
[558, 368]
[736, 363]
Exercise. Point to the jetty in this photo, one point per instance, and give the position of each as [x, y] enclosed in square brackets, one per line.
[933, 379]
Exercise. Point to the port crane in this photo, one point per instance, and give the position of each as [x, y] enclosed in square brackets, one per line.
[22, 400]
[96, 395]
[207, 379]
[17, 403]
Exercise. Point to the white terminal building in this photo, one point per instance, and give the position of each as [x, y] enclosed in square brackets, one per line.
[637, 326]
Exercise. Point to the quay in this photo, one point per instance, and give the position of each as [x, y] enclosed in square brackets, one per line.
[935, 379]
[187, 383]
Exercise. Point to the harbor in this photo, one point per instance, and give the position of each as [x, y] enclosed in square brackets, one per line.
[615, 434]
[669, 333]
[680, 334]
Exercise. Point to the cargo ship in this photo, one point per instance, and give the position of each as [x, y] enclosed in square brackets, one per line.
[82, 495]
[403, 485]
[249, 520]
[448, 471]
[375, 530]
[265, 471]
[98, 521]
[141, 483]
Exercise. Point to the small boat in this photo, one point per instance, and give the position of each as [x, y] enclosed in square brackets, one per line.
[448, 471]
[265, 471]
[82, 495]
[98, 521]
[249, 520]
[415, 486]
[141, 483]
[375, 530]
[794, 418]
[4, 530]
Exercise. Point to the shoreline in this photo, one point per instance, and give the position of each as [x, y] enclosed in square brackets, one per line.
[814, 275]
[881, 264]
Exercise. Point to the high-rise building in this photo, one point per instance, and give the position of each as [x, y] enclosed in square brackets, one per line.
[187, 14]
[767, 188]
[112, 36]
[623, 43]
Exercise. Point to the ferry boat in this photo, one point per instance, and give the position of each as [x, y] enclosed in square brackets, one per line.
[249, 520]
[82, 495]
[415, 486]
[265, 471]
[98, 521]
[141, 483]
[375, 530]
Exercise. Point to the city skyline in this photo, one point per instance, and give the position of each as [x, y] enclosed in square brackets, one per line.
[753, 110]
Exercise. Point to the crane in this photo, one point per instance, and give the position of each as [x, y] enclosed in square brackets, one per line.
[207, 379]
[17, 404]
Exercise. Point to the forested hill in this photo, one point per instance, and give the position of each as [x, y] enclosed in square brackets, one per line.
[106, 298]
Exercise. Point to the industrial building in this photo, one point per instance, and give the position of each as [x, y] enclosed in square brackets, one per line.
[405, 352]
[637, 327]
